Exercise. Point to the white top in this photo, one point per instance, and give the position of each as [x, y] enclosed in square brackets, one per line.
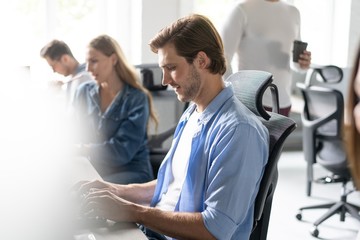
[179, 164]
[260, 34]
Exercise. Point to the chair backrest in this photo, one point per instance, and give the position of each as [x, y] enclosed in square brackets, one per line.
[324, 75]
[322, 115]
[322, 120]
[249, 87]
[323, 110]
[254, 82]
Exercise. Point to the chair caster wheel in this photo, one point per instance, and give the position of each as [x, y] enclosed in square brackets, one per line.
[314, 232]
[298, 216]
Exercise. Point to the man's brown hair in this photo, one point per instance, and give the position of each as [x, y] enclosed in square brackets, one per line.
[191, 35]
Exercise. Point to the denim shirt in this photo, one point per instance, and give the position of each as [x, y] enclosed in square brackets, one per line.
[117, 138]
[227, 159]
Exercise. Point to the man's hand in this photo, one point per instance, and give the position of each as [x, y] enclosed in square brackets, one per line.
[85, 187]
[105, 204]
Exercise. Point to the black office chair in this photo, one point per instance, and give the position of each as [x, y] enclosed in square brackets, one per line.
[328, 76]
[249, 87]
[322, 120]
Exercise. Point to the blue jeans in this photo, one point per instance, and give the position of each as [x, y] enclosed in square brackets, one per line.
[150, 234]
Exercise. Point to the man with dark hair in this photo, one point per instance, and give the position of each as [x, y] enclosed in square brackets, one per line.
[207, 184]
[60, 58]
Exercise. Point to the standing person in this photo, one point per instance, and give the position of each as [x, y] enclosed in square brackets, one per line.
[261, 33]
[113, 112]
[60, 58]
[208, 182]
[352, 127]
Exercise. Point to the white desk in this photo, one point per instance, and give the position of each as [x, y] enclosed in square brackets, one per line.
[123, 231]
[83, 170]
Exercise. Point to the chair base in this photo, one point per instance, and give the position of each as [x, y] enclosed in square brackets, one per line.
[325, 180]
[341, 207]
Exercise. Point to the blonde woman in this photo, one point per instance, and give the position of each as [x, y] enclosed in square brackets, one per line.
[114, 113]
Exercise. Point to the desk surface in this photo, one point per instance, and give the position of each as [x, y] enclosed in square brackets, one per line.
[123, 231]
[83, 170]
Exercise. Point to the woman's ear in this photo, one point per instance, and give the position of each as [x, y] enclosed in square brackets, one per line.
[114, 59]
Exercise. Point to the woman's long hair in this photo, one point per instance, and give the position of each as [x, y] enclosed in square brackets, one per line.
[126, 72]
[352, 136]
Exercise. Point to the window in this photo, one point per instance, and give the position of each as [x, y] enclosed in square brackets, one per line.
[328, 36]
[36, 22]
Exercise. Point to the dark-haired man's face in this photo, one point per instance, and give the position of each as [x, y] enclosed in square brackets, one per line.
[59, 66]
[179, 74]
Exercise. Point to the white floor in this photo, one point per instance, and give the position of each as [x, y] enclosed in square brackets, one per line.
[290, 195]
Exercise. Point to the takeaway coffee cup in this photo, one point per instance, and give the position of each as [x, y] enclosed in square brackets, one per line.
[298, 48]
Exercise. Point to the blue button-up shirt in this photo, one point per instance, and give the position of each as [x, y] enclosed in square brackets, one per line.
[226, 164]
[117, 138]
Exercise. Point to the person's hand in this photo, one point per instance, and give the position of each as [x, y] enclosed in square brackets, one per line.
[104, 204]
[84, 187]
[305, 59]
[81, 190]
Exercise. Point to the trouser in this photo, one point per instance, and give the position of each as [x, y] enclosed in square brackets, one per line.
[283, 111]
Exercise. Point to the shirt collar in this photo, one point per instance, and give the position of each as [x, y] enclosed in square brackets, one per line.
[213, 106]
[80, 68]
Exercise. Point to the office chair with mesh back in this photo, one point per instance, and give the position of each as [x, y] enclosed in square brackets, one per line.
[326, 76]
[322, 120]
[322, 75]
[249, 87]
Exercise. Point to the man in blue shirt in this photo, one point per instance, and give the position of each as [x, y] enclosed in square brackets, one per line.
[207, 184]
[60, 58]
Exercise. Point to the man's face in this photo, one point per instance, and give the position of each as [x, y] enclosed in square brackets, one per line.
[59, 66]
[179, 74]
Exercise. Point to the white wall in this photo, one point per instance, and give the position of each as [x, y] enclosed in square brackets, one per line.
[153, 15]
[354, 31]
